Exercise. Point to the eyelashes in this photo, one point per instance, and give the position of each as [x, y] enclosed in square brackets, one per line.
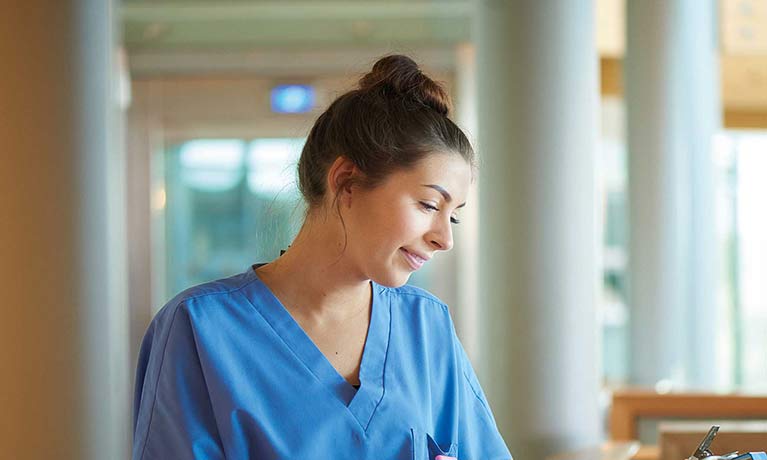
[430, 207]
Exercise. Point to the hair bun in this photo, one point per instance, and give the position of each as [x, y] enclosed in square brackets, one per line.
[400, 74]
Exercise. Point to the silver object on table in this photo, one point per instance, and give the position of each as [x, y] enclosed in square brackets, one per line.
[703, 451]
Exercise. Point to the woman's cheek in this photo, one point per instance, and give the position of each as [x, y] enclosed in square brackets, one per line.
[414, 223]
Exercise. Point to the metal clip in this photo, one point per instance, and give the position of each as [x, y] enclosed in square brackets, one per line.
[703, 452]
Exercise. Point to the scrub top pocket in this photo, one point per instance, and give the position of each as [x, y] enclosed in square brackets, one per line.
[426, 448]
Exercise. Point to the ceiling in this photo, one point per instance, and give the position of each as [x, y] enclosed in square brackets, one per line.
[183, 25]
[307, 36]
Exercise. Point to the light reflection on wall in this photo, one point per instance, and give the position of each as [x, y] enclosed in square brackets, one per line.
[272, 167]
[228, 203]
[212, 164]
[752, 235]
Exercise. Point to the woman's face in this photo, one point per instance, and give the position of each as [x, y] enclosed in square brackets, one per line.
[395, 228]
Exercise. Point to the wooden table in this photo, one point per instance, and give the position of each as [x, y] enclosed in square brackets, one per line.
[611, 450]
[629, 406]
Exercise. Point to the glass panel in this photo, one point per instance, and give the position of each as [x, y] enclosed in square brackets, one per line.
[614, 308]
[230, 203]
[741, 189]
[752, 255]
[727, 292]
[742, 168]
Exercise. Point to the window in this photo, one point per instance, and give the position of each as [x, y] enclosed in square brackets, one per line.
[742, 193]
[230, 203]
[741, 198]
[615, 313]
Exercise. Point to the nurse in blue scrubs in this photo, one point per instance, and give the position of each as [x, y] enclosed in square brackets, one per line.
[325, 352]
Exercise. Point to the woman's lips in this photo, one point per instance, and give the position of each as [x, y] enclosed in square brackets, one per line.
[413, 260]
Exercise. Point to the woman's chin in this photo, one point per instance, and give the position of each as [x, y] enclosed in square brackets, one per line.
[393, 279]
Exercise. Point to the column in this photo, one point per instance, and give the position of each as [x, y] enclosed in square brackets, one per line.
[673, 110]
[467, 234]
[64, 393]
[539, 272]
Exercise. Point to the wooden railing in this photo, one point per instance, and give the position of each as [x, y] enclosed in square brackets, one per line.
[628, 406]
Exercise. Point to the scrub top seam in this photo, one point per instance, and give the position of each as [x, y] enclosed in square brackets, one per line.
[383, 370]
[282, 339]
[205, 294]
[157, 381]
[476, 394]
[205, 382]
[423, 296]
[176, 310]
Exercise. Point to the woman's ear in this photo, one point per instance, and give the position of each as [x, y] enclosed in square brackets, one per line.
[340, 175]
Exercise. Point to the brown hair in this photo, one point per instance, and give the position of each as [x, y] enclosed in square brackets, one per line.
[395, 118]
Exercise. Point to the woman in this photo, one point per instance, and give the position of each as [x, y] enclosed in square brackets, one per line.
[324, 353]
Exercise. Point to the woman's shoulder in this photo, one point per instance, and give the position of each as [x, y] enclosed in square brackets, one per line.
[414, 299]
[208, 296]
[411, 294]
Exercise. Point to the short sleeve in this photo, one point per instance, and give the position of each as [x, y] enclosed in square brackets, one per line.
[172, 408]
[479, 437]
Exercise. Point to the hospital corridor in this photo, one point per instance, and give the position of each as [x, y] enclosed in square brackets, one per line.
[597, 287]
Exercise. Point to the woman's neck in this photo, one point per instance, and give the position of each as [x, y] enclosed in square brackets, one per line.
[315, 278]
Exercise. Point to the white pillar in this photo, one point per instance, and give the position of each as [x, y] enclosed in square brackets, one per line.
[538, 111]
[672, 110]
[64, 393]
[466, 250]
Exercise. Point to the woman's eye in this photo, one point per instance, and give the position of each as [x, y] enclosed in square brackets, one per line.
[429, 206]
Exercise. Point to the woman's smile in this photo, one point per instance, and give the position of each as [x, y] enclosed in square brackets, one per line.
[413, 260]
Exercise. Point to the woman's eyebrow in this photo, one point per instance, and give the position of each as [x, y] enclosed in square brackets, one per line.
[444, 193]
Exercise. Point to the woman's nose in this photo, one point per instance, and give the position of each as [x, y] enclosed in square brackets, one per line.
[442, 239]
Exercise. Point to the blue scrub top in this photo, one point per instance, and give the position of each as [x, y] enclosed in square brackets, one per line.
[226, 372]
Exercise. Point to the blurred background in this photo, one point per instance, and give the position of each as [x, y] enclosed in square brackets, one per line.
[609, 271]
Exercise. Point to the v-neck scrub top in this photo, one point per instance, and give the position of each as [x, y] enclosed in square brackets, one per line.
[225, 372]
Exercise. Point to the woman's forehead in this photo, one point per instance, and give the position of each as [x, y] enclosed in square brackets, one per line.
[443, 173]
[448, 168]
